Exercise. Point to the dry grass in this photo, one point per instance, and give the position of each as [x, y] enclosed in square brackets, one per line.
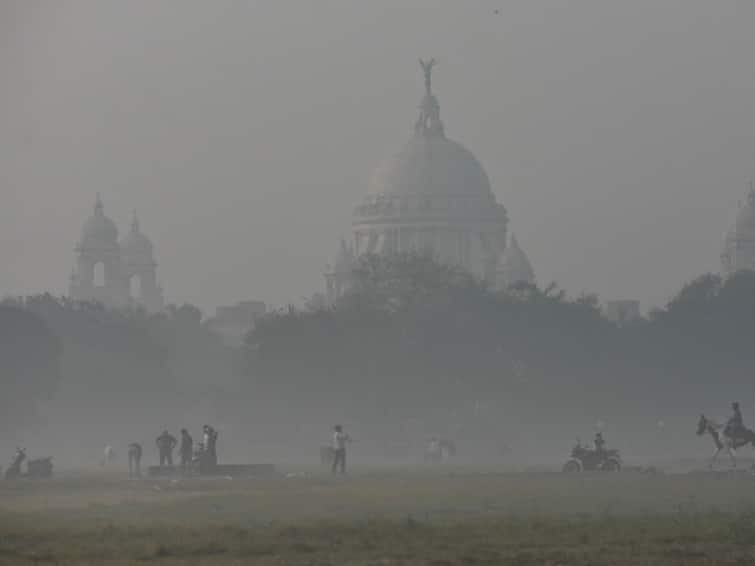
[382, 519]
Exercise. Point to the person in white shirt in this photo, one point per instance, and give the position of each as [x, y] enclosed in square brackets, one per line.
[340, 438]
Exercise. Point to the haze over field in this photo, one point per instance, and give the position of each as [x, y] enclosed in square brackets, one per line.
[618, 135]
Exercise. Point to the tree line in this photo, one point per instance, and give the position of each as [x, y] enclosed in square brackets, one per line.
[429, 332]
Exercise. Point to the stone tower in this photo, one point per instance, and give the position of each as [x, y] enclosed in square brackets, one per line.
[105, 268]
[97, 275]
[140, 269]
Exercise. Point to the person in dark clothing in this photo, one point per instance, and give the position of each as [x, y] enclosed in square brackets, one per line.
[340, 438]
[186, 449]
[166, 443]
[134, 460]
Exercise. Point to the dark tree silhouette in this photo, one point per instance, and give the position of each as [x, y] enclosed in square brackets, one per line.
[29, 365]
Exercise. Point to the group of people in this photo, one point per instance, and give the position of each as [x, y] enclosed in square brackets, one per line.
[202, 456]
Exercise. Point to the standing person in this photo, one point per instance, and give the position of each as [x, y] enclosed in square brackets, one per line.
[166, 442]
[340, 438]
[186, 450]
[134, 460]
[210, 446]
[108, 455]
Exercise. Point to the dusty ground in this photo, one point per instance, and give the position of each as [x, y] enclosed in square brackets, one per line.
[413, 518]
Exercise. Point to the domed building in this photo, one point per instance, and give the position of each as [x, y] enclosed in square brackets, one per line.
[739, 241]
[116, 274]
[433, 195]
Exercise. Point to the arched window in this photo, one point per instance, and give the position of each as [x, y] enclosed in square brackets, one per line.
[99, 274]
[135, 286]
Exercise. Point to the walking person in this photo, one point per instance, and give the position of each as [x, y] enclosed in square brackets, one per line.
[340, 438]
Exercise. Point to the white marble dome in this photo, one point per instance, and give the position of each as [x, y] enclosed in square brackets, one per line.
[433, 195]
[431, 165]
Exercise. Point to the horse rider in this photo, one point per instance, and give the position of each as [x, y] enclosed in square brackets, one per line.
[166, 442]
[340, 438]
[735, 424]
[600, 442]
[186, 449]
[134, 460]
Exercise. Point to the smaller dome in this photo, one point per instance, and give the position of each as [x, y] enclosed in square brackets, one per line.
[515, 266]
[136, 244]
[98, 230]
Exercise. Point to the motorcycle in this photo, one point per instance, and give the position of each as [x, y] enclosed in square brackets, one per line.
[584, 458]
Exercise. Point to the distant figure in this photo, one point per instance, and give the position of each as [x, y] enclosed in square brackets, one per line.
[210, 441]
[186, 450]
[340, 438]
[735, 425]
[600, 443]
[198, 459]
[134, 460]
[439, 450]
[166, 443]
[108, 455]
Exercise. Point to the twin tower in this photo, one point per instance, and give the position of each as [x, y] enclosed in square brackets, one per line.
[116, 274]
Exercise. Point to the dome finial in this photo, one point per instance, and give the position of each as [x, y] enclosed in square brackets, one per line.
[98, 207]
[427, 69]
[429, 123]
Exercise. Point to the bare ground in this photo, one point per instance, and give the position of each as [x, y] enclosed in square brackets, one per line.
[382, 519]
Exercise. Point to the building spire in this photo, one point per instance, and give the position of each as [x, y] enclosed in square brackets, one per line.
[98, 207]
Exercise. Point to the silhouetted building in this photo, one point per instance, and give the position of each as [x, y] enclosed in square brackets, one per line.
[116, 274]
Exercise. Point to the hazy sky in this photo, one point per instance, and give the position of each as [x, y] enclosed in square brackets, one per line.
[619, 135]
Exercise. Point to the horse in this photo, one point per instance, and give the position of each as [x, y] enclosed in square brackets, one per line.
[722, 440]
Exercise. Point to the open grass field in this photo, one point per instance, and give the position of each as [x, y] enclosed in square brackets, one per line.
[437, 518]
